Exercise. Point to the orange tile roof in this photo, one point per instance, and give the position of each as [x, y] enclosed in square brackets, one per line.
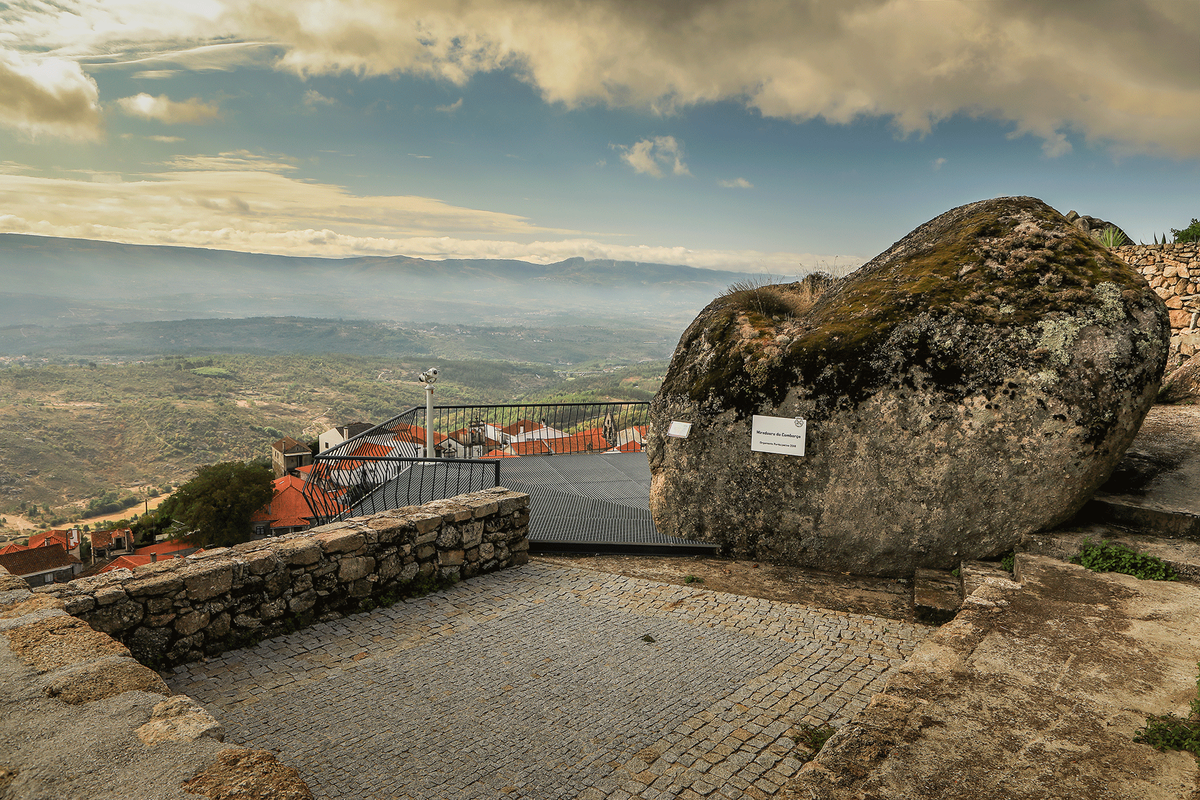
[288, 508]
[629, 447]
[163, 547]
[500, 454]
[522, 426]
[12, 547]
[411, 433]
[62, 537]
[135, 561]
[366, 449]
[533, 447]
[105, 538]
[583, 442]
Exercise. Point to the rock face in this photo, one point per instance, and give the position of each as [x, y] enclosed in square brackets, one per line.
[975, 382]
[1095, 227]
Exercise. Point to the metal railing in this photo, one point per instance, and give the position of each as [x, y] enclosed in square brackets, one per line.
[389, 467]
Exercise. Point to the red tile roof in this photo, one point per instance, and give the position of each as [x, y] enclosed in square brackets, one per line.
[163, 548]
[533, 447]
[69, 539]
[289, 446]
[411, 433]
[134, 561]
[500, 454]
[589, 441]
[367, 450]
[12, 547]
[522, 426]
[288, 508]
[37, 559]
[629, 447]
[105, 538]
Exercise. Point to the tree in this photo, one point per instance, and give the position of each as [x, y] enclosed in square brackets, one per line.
[214, 508]
[1189, 234]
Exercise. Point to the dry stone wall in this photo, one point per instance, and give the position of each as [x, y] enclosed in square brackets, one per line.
[72, 692]
[183, 609]
[1173, 271]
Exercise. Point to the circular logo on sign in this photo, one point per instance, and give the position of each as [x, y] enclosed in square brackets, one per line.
[798, 422]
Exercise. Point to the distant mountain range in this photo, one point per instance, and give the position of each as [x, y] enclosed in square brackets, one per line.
[54, 282]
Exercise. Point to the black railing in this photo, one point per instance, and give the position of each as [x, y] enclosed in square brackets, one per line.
[387, 467]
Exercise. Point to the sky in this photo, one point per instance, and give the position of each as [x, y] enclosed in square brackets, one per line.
[764, 136]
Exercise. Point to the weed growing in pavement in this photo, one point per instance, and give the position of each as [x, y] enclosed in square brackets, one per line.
[1112, 557]
[812, 738]
[1169, 732]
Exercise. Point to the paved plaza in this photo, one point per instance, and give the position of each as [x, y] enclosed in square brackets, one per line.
[550, 682]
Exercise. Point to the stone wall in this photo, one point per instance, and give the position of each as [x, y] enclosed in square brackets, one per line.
[1173, 271]
[183, 609]
[83, 717]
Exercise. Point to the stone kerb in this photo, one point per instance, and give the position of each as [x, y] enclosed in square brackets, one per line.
[1173, 272]
[184, 609]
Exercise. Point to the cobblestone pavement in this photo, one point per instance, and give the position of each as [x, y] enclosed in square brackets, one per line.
[545, 682]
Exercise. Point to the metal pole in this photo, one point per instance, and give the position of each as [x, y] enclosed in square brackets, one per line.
[429, 420]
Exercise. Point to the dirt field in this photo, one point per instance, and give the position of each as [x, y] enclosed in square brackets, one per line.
[883, 597]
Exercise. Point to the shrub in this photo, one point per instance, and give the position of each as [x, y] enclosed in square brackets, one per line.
[1112, 557]
[1169, 732]
[1189, 234]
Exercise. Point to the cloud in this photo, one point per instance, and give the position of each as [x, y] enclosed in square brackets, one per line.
[46, 96]
[238, 201]
[164, 109]
[165, 139]
[1123, 71]
[736, 183]
[938, 163]
[450, 109]
[313, 98]
[651, 156]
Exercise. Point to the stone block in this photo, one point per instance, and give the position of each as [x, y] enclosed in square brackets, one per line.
[354, 567]
[273, 608]
[101, 678]
[472, 555]
[247, 622]
[408, 572]
[472, 533]
[487, 550]
[77, 606]
[302, 602]
[158, 620]
[515, 501]
[388, 567]
[179, 719]
[261, 562]
[219, 627]
[425, 551]
[159, 605]
[450, 557]
[936, 595]
[205, 581]
[425, 521]
[299, 552]
[276, 583]
[116, 617]
[108, 595]
[519, 546]
[150, 644]
[449, 536]
[363, 587]
[341, 541]
[449, 573]
[187, 624]
[164, 583]
[486, 509]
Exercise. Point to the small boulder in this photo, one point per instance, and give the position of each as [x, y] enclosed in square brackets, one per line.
[1182, 385]
[974, 383]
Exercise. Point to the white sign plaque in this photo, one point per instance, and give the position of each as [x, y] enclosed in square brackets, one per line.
[778, 435]
[679, 430]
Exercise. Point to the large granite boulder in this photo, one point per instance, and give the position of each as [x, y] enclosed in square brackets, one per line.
[975, 382]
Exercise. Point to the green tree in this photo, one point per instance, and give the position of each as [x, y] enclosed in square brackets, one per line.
[1189, 234]
[214, 508]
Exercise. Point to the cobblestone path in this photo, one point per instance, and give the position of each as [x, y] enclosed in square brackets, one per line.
[545, 682]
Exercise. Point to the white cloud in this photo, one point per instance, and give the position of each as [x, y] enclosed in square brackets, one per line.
[164, 109]
[450, 109]
[238, 201]
[1122, 71]
[938, 163]
[165, 139]
[736, 183]
[313, 98]
[47, 96]
[651, 156]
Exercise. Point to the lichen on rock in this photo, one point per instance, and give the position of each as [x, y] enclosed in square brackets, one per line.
[992, 350]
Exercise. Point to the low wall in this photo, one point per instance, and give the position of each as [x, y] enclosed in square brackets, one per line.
[76, 700]
[184, 609]
[1173, 271]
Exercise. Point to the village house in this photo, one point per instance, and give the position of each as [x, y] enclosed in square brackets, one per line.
[287, 455]
[335, 436]
[41, 565]
[288, 510]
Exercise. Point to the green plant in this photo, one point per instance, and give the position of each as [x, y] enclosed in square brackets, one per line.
[1112, 557]
[693, 579]
[812, 737]
[1169, 732]
[1007, 561]
[1189, 234]
[1111, 237]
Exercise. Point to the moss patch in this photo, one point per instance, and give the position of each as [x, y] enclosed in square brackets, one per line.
[987, 268]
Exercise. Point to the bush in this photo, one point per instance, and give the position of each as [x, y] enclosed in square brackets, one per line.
[1112, 557]
[1189, 234]
[1169, 732]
